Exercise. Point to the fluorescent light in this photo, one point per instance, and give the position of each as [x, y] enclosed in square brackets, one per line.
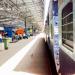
[1, 9]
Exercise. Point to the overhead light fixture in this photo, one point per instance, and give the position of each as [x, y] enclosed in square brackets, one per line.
[1, 9]
[8, 9]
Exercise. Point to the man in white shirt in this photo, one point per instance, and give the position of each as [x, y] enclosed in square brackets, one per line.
[0, 38]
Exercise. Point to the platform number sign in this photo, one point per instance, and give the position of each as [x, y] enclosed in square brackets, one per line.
[56, 34]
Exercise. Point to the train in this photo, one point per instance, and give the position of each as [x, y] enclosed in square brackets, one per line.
[64, 58]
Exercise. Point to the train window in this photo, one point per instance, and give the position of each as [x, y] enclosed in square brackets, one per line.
[67, 25]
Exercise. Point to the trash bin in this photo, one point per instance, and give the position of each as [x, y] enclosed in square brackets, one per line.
[5, 43]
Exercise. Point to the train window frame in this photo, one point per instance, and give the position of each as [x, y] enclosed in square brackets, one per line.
[67, 26]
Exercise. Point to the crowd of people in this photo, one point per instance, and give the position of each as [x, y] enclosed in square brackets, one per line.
[15, 37]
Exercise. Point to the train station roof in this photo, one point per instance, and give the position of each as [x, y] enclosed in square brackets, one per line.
[21, 9]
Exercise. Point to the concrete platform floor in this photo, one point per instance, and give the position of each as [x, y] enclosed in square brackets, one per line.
[13, 48]
[35, 62]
